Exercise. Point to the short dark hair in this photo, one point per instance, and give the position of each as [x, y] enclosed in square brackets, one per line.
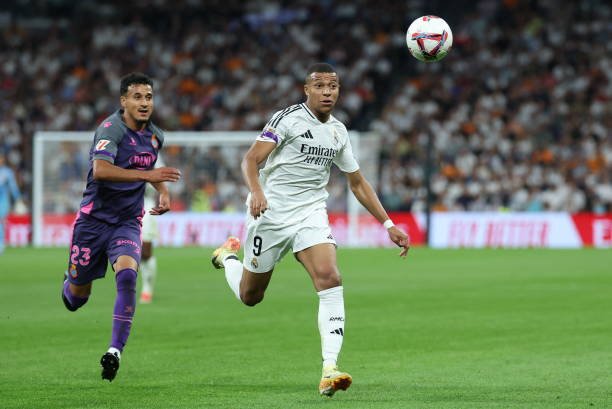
[319, 67]
[134, 78]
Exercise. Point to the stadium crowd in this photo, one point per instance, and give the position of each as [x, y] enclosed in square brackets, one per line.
[519, 113]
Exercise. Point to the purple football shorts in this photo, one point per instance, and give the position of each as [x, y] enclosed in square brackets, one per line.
[95, 243]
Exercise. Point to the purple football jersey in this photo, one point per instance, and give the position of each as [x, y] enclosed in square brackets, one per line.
[114, 142]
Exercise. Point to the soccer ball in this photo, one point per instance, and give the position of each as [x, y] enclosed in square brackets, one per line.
[429, 38]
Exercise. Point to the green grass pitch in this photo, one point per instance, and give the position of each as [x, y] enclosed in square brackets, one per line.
[441, 329]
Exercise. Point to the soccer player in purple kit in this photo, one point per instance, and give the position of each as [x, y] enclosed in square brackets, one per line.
[108, 225]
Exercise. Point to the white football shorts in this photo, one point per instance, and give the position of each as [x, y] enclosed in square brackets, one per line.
[267, 242]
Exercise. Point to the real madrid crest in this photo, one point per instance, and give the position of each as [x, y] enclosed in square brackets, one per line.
[154, 141]
[336, 139]
[254, 262]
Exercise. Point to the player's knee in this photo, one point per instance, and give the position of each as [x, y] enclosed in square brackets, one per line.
[251, 298]
[325, 280]
[125, 262]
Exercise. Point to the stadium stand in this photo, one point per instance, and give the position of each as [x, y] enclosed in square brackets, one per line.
[519, 113]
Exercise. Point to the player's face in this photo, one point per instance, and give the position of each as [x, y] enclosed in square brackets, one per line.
[137, 103]
[322, 90]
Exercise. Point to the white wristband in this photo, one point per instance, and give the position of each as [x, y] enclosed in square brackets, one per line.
[388, 224]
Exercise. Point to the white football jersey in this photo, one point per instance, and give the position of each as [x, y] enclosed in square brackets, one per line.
[297, 171]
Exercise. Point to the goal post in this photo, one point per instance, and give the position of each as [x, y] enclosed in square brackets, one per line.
[61, 160]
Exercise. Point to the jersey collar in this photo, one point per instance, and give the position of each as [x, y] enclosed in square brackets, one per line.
[147, 127]
[313, 116]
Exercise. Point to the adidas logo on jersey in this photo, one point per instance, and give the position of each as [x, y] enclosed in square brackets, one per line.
[306, 135]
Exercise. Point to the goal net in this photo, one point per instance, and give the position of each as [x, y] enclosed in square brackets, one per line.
[208, 202]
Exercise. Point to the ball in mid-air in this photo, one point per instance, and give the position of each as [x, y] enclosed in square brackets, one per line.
[429, 38]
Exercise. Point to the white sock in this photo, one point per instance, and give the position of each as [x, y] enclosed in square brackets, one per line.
[148, 269]
[115, 351]
[233, 274]
[331, 323]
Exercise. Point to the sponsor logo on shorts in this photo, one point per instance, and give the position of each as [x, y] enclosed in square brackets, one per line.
[73, 271]
[254, 262]
[129, 243]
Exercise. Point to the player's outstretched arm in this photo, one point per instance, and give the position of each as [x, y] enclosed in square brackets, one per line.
[366, 195]
[257, 154]
[106, 171]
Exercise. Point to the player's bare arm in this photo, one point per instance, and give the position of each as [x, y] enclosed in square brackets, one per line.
[106, 171]
[163, 205]
[366, 195]
[257, 154]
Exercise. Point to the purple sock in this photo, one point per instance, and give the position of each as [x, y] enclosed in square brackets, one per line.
[125, 303]
[76, 302]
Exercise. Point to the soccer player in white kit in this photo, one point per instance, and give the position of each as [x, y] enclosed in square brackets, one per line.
[148, 262]
[287, 210]
[150, 235]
